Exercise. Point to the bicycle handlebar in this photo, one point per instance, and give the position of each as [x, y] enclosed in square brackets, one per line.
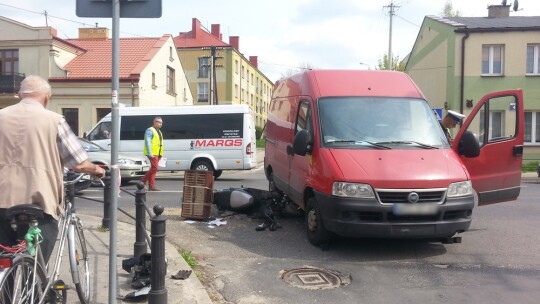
[81, 175]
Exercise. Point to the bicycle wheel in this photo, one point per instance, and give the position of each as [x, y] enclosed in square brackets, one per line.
[18, 284]
[78, 260]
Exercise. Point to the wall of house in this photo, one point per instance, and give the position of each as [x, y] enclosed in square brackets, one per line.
[428, 64]
[158, 96]
[515, 56]
[87, 98]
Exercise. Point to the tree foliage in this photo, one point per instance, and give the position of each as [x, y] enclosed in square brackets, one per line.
[448, 10]
[397, 63]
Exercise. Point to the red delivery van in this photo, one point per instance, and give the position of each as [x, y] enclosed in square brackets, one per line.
[362, 153]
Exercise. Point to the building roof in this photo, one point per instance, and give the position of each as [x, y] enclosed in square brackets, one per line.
[198, 37]
[516, 23]
[96, 61]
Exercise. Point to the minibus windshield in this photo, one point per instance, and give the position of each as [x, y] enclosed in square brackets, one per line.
[380, 121]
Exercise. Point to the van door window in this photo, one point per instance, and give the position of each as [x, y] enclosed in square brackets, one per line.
[101, 131]
[303, 120]
[500, 122]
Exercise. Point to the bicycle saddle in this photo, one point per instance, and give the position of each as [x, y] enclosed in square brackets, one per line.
[24, 213]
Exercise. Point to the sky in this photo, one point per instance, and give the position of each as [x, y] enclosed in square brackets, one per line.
[285, 34]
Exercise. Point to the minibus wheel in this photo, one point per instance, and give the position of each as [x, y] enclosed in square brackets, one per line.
[316, 233]
[202, 165]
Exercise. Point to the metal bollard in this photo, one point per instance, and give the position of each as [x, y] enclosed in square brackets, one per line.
[140, 247]
[158, 292]
[105, 222]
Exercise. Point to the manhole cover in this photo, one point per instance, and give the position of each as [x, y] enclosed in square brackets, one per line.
[310, 277]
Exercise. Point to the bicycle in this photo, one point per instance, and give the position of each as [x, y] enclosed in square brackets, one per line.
[24, 277]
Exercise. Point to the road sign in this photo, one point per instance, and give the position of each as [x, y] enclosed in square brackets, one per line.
[128, 8]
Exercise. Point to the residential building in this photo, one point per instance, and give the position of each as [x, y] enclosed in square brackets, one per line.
[80, 71]
[237, 79]
[457, 60]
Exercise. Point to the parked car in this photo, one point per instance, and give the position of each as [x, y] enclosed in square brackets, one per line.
[131, 167]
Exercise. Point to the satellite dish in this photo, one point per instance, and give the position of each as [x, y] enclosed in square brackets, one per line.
[515, 8]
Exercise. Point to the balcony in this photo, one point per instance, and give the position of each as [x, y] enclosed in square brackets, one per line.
[10, 84]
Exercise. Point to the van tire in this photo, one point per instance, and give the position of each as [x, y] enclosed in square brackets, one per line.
[202, 165]
[316, 232]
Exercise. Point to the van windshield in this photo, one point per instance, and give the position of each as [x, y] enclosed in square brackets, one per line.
[372, 122]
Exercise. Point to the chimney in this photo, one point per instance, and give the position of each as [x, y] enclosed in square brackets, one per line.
[215, 31]
[94, 33]
[195, 27]
[54, 32]
[498, 11]
[254, 62]
[235, 42]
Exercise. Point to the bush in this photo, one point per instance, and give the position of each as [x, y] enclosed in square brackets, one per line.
[258, 132]
[530, 166]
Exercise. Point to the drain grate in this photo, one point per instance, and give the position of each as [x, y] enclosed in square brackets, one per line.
[309, 277]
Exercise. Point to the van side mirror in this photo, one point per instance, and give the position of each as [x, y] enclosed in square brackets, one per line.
[469, 145]
[302, 143]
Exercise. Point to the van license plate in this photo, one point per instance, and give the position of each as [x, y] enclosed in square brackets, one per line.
[415, 209]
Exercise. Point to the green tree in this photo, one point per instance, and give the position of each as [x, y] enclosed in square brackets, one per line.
[448, 10]
[397, 64]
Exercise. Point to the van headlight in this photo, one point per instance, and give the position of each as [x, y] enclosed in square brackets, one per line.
[352, 190]
[459, 189]
[126, 161]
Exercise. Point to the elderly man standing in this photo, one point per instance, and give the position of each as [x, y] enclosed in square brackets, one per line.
[35, 146]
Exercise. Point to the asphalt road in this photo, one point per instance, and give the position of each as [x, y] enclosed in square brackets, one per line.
[498, 261]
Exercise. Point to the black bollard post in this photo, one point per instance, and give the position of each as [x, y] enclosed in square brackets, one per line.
[158, 292]
[106, 221]
[140, 247]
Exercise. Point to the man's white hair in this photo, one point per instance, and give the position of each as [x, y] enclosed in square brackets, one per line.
[35, 85]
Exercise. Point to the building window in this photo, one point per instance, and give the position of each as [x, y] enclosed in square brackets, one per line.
[202, 92]
[203, 67]
[171, 81]
[492, 59]
[72, 118]
[236, 66]
[9, 62]
[242, 72]
[533, 62]
[10, 79]
[154, 86]
[236, 91]
[532, 127]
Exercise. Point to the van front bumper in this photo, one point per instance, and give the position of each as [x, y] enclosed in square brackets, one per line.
[351, 217]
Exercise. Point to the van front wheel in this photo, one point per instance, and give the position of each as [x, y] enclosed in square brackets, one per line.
[316, 232]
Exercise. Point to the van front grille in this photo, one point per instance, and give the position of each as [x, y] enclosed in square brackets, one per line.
[393, 196]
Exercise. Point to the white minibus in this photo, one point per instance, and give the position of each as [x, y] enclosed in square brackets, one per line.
[214, 138]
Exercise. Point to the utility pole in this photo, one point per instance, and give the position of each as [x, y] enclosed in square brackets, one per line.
[391, 11]
[213, 96]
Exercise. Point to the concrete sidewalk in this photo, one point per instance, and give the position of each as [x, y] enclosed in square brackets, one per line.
[189, 291]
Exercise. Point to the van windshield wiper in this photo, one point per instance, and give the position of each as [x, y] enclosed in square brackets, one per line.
[349, 141]
[419, 144]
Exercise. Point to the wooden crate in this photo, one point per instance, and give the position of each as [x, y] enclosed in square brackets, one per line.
[198, 194]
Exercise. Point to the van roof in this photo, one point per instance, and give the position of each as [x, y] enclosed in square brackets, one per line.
[319, 83]
[206, 109]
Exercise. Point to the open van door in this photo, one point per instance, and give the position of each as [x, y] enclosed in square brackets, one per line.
[498, 123]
